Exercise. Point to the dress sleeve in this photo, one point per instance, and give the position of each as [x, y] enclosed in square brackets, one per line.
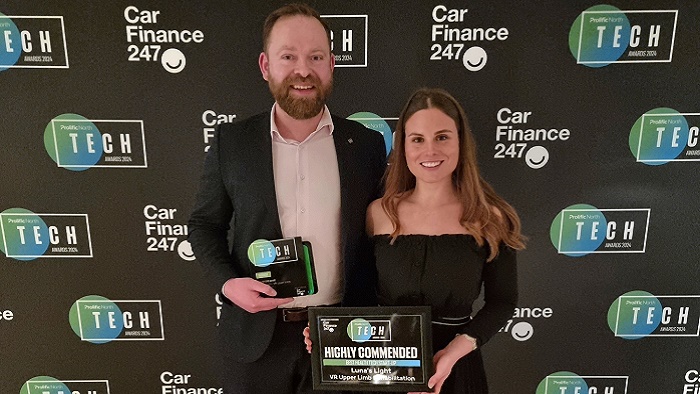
[500, 278]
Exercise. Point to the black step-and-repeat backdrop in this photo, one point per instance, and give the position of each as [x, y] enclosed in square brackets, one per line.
[587, 119]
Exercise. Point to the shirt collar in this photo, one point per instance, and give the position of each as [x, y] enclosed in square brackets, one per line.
[326, 120]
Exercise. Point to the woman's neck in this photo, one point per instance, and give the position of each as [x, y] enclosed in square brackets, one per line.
[433, 194]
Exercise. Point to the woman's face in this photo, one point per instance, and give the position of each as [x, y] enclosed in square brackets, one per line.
[432, 145]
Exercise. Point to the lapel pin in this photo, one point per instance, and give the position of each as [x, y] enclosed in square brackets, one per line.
[349, 140]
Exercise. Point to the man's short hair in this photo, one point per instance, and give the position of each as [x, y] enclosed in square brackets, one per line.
[291, 10]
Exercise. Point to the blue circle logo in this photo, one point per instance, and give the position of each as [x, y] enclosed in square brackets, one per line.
[630, 315]
[25, 235]
[10, 43]
[578, 230]
[659, 136]
[375, 122]
[359, 330]
[73, 142]
[599, 36]
[96, 319]
[262, 253]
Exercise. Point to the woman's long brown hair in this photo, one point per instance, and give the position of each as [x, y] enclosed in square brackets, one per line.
[477, 197]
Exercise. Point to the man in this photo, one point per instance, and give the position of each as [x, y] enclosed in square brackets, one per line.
[293, 171]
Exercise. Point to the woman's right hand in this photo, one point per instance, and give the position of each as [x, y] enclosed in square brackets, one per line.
[307, 339]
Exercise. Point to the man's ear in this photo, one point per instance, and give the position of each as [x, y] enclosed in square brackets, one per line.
[264, 65]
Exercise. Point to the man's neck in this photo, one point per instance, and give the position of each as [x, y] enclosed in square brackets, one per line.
[295, 129]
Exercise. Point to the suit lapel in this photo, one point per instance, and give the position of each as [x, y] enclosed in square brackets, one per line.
[262, 166]
[342, 150]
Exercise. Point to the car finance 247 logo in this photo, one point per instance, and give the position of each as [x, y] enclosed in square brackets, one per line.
[639, 314]
[76, 143]
[663, 135]
[32, 42]
[27, 235]
[604, 34]
[581, 229]
[98, 320]
[565, 382]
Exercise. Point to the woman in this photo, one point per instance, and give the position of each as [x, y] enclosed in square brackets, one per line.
[446, 231]
[440, 232]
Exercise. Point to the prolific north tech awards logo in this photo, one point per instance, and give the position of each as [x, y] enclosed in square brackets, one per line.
[374, 122]
[564, 382]
[262, 252]
[348, 39]
[581, 229]
[639, 314]
[76, 143]
[604, 34]
[27, 235]
[97, 319]
[32, 42]
[50, 385]
[663, 135]
[361, 330]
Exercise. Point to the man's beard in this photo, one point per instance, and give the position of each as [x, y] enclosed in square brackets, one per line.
[300, 108]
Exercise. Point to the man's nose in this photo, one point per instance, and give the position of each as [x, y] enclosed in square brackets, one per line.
[302, 68]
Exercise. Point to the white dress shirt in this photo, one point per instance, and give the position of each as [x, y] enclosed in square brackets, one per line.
[307, 185]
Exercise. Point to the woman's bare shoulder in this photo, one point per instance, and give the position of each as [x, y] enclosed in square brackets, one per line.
[377, 220]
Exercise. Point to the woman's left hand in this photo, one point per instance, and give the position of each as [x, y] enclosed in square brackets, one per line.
[445, 359]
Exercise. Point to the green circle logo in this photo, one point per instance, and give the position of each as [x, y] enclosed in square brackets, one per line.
[375, 122]
[359, 330]
[73, 142]
[659, 136]
[562, 382]
[634, 315]
[44, 384]
[96, 319]
[262, 253]
[578, 230]
[599, 36]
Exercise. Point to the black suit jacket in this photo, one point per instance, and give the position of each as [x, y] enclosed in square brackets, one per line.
[238, 183]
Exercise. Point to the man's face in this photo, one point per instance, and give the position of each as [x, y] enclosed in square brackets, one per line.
[298, 65]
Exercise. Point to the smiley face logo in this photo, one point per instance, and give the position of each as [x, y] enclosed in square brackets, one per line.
[173, 60]
[536, 157]
[474, 58]
[184, 249]
[522, 331]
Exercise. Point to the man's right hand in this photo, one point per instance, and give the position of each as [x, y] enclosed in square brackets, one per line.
[247, 294]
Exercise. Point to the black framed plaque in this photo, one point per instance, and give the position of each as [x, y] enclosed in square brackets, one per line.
[371, 349]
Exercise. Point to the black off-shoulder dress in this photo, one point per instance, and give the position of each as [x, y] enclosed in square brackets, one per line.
[447, 273]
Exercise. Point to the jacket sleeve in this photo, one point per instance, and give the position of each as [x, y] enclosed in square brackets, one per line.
[209, 222]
